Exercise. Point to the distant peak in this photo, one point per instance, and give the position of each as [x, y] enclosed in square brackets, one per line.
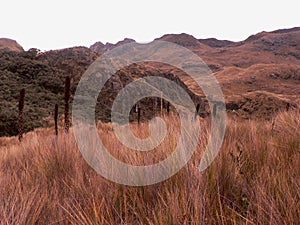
[11, 45]
[177, 36]
[183, 39]
[215, 43]
[125, 41]
[100, 48]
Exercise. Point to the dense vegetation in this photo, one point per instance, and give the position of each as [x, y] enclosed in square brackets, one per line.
[43, 76]
[44, 87]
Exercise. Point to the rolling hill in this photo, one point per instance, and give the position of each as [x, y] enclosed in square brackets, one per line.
[258, 76]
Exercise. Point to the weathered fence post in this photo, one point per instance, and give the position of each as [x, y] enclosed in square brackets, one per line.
[55, 119]
[20, 118]
[161, 102]
[214, 109]
[287, 107]
[197, 110]
[139, 115]
[155, 105]
[168, 108]
[67, 98]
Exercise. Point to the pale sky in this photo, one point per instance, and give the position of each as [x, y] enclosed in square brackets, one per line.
[55, 24]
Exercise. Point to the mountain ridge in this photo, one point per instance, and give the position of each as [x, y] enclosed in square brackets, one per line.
[259, 76]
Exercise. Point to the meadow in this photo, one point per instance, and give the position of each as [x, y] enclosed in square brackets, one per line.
[255, 179]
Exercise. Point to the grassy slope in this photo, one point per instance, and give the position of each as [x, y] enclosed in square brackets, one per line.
[254, 180]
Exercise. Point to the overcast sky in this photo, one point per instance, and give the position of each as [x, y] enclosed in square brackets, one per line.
[56, 24]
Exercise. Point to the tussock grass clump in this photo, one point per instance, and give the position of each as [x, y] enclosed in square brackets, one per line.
[255, 179]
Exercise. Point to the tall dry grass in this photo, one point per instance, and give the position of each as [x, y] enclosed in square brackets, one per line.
[254, 180]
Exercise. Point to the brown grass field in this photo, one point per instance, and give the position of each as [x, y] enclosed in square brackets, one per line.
[255, 179]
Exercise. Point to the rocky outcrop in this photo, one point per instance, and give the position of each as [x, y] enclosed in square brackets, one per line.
[100, 48]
